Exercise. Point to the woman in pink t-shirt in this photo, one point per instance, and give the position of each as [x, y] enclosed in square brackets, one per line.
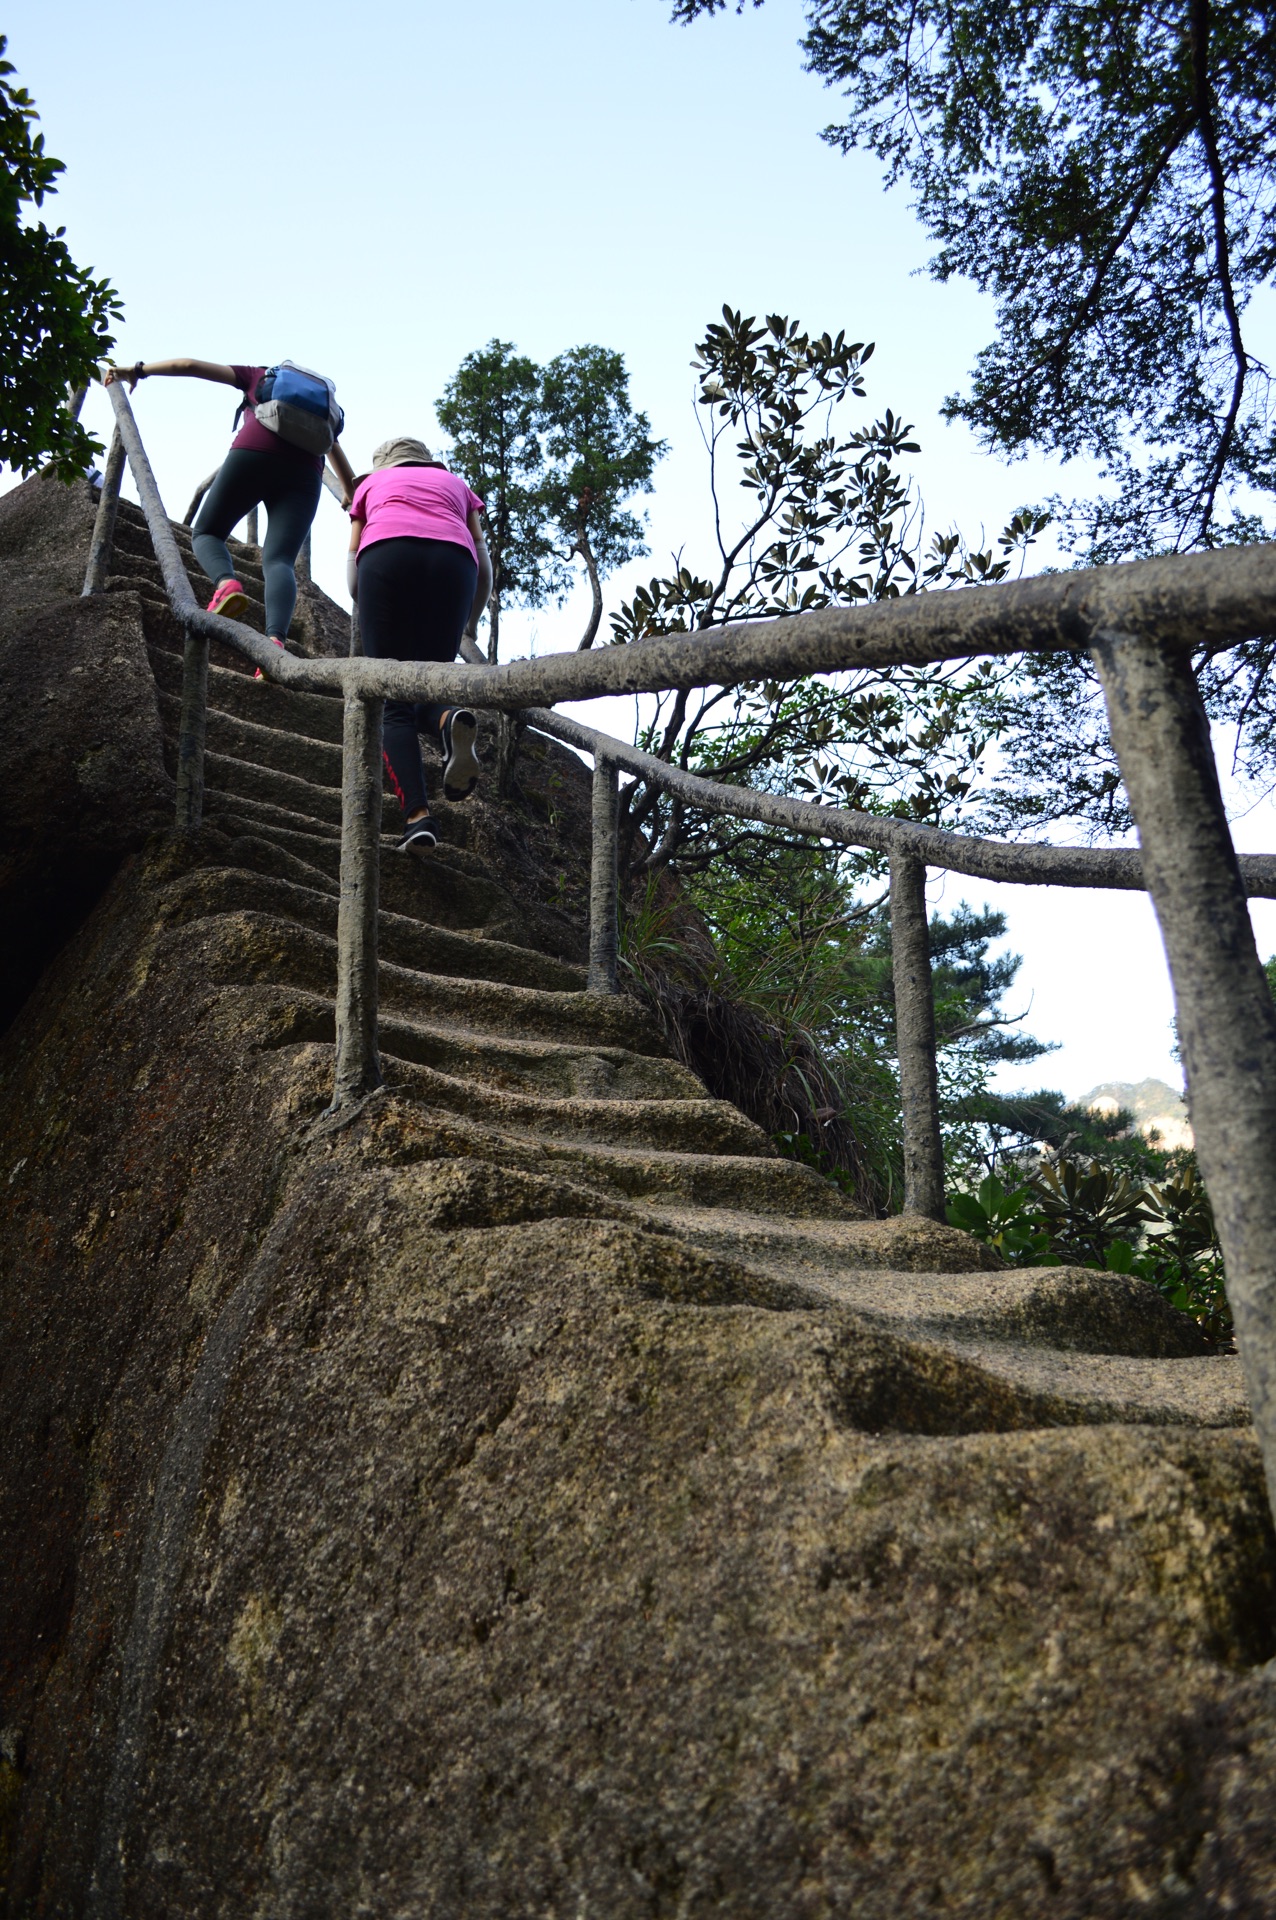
[419, 569]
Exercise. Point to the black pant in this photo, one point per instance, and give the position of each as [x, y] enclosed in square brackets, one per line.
[289, 488]
[415, 597]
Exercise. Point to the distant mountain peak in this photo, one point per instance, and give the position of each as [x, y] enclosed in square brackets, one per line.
[1156, 1107]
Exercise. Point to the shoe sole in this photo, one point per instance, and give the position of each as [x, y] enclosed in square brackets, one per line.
[461, 774]
[231, 607]
[419, 843]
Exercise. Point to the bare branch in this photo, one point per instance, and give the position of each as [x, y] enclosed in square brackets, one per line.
[1222, 252]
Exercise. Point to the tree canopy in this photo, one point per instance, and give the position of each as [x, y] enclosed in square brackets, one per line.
[557, 453]
[55, 318]
[598, 454]
[1103, 168]
[808, 511]
[489, 409]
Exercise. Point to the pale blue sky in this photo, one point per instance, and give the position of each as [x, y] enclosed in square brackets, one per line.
[376, 193]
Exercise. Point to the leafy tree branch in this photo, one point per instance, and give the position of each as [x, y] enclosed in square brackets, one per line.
[55, 318]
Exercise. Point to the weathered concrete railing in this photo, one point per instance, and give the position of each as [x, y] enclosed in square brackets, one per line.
[604, 929]
[1184, 599]
[1140, 623]
[103, 539]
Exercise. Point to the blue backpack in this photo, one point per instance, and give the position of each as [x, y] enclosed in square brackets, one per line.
[300, 406]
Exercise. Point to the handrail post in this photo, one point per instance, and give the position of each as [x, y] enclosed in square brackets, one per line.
[915, 1039]
[603, 915]
[1226, 1018]
[251, 528]
[191, 728]
[103, 540]
[358, 1064]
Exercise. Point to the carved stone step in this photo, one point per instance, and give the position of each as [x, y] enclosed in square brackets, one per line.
[557, 1092]
[403, 941]
[448, 886]
[313, 716]
[247, 945]
[243, 739]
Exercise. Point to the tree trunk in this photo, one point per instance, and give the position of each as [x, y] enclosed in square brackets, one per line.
[1226, 1018]
[586, 553]
[510, 728]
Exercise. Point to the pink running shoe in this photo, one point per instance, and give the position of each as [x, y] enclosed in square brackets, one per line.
[229, 600]
[257, 672]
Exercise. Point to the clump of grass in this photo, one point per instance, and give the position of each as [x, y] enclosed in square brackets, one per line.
[762, 1058]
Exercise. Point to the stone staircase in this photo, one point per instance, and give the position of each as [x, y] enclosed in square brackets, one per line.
[486, 1030]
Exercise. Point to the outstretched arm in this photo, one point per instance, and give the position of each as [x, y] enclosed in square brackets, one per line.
[189, 369]
[352, 558]
[343, 470]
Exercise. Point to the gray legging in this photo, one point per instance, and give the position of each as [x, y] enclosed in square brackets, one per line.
[288, 487]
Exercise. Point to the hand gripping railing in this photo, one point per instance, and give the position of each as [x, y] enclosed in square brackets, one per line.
[1139, 622]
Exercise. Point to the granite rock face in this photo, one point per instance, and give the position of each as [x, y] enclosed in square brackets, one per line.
[526, 1493]
[82, 776]
[82, 769]
[45, 530]
[405, 1531]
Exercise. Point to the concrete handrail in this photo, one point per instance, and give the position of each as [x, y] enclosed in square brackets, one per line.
[1031, 864]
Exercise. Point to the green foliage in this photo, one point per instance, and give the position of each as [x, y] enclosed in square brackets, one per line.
[757, 1028]
[489, 409]
[1096, 1215]
[556, 453]
[599, 453]
[1186, 1256]
[998, 1130]
[1103, 170]
[1085, 1208]
[795, 937]
[825, 517]
[969, 987]
[55, 318]
[1007, 1218]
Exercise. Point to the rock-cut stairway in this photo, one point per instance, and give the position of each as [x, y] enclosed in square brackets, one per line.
[486, 1028]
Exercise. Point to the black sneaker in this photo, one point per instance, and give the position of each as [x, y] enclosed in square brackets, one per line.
[460, 762]
[417, 838]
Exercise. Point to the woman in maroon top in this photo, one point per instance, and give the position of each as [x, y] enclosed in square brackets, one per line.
[260, 470]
